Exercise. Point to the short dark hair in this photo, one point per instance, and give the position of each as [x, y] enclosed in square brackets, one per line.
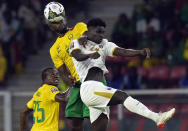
[96, 22]
[45, 72]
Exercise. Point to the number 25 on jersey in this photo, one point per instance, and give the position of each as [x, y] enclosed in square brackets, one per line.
[40, 113]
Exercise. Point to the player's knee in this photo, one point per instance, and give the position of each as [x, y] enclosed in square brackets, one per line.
[118, 98]
[122, 95]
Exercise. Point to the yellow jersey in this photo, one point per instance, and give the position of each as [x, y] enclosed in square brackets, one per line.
[45, 109]
[60, 50]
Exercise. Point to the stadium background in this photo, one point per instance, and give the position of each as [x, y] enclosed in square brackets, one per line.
[161, 82]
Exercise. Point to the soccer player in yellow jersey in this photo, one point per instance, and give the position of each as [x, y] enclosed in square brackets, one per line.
[54, 14]
[45, 104]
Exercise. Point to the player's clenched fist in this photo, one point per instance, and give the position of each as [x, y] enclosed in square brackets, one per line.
[146, 52]
[94, 55]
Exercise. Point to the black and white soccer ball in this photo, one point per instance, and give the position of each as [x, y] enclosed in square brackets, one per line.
[54, 12]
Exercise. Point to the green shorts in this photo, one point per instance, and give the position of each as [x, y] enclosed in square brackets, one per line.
[75, 107]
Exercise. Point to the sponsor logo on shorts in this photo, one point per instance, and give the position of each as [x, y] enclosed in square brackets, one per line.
[109, 88]
[100, 46]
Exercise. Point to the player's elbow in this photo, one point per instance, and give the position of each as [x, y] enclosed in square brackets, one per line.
[62, 98]
[79, 59]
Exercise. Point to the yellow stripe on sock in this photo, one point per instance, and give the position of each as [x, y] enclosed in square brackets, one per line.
[104, 94]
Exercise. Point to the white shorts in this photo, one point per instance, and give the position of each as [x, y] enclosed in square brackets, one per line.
[96, 96]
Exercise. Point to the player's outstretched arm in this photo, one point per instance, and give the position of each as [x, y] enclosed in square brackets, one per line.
[63, 97]
[66, 75]
[23, 118]
[131, 52]
[79, 56]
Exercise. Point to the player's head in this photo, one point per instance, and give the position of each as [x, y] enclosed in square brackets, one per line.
[50, 76]
[54, 13]
[96, 30]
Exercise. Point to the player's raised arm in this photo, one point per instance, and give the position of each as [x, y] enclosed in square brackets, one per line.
[79, 56]
[23, 118]
[131, 52]
[63, 97]
[75, 50]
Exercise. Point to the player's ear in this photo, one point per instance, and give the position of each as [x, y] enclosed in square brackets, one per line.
[83, 39]
[84, 34]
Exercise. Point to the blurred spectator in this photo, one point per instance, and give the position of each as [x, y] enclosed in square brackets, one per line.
[122, 33]
[166, 11]
[3, 68]
[9, 32]
[132, 80]
[30, 25]
[184, 80]
[150, 20]
[184, 13]
[116, 79]
[185, 51]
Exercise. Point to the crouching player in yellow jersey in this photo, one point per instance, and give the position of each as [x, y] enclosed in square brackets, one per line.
[45, 104]
[54, 14]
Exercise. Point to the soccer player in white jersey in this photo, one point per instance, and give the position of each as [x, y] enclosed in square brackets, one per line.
[89, 57]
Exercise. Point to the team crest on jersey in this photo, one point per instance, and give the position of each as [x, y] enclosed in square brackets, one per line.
[54, 89]
[109, 88]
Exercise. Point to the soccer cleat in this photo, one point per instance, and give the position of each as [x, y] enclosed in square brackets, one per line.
[163, 117]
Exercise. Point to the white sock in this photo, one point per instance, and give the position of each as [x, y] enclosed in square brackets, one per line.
[137, 107]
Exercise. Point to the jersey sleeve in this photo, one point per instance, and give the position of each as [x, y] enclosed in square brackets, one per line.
[55, 58]
[109, 48]
[52, 92]
[81, 28]
[74, 45]
[30, 104]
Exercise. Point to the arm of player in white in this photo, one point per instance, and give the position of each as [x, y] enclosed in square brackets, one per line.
[76, 52]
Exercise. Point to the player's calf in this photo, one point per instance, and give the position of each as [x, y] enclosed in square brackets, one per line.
[137, 107]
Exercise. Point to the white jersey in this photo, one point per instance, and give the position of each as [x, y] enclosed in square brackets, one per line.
[105, 49]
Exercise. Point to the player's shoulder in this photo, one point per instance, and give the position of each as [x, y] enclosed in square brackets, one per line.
[104, 42]
[37, 93]
[79, 26]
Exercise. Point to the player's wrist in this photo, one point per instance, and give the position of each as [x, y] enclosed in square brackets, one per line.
[142, 52]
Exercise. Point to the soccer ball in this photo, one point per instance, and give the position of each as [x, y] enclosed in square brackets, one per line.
[54, 12]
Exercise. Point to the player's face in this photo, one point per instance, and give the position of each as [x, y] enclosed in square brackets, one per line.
[53, 78]
[58, 27]
[96, 34]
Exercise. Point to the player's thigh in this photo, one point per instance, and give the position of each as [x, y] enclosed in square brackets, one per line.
[96, 94]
